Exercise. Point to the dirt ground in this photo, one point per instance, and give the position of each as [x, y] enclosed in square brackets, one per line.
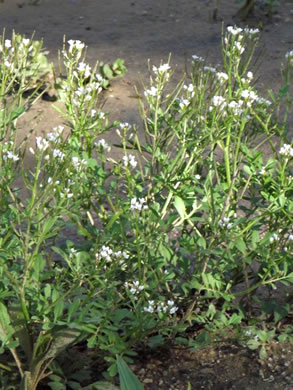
[138, 30]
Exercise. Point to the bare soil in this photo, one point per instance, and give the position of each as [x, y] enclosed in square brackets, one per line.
[138, 30]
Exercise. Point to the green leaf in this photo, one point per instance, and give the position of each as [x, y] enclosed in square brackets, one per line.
[100, 386]
[5, 323]
[240, 245]
[283, 91]
[180, 206]
[128, 381]
[17, 112]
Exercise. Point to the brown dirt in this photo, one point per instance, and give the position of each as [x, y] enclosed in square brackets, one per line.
[138, 30]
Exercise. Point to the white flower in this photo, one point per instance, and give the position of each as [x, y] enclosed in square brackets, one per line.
[66, 194]
[234, 30]
[197, 177]
[251, 30]
[218, 101]
[189, 88]
[222, 76]
[103, 144]
[274, 237]
[290, 237]
[77, 163]
[286, 150]
[261, 100]
[7, 64]
[197, 58]
[225, 223]
[210, 69]
[25, 41]
[106, 253]
[56, 135]
[125, 126]
[31, 150]
[58, 154]
[153, 91]
[138, 204]
[42, 144]
[7, 43]
[129, 160]
[72, 252]
[289, 54]
[135, 287]
[9, 155]
[250, 75]
[78, 45]
[184, 103]
[239, 47]
[93, 113]
[161, 69]
[82, 67]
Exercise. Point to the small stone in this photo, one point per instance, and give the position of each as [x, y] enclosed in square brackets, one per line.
[147, 380]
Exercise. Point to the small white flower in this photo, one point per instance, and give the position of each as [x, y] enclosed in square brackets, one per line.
[210, 69]
[138, 204]
[251, 31]
[290, 237]
[286, 150]
[103, 144]
[196, 58]
[222, 76]
[234, 30]
[7, 43]
[56, 135]
[184, 103]
[129, 160]
[78, 45]
[239, 47]
[250, 75]
[9, 155]
[218, 101]
[42, 144]
[82, 67]
[274, 237]
[198, 177]
[58, 154]
[72, 252]
[153, 91]
[189, 88]
[26, 41]
[125, 126]
[31, 150]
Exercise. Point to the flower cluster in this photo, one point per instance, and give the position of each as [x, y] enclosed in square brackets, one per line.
[153, 92]
[286, 150]
[218, 102]
[162, 71]
[77, 163]
[75, 45]
[107, 254]
[56, 135]
[289, 56]
[196, 58]
[225, 223]
[274, 237]
[138, 204]
[102, 144]
[135, 287]
[129, 160]
[161, 307]
[8, 154]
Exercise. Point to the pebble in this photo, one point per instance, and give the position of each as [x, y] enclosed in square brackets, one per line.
[147, 380]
